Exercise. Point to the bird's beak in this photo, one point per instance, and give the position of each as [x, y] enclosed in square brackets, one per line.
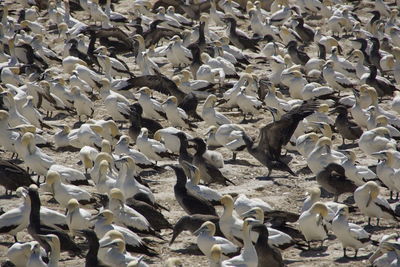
[109, 244]
[369, 200]
[376, 255]
[332, 111]
[199, 231]
[319, 221]
[247, 214]
[95, 217]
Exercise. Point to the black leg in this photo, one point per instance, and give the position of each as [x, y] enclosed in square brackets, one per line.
[377, 221]
[369, 221]
[15, 238]
[234, 156]
[344, 253]
[391, 194]
[355, 255]
[309, 245]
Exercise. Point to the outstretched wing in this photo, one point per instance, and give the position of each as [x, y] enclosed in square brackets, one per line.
[276, 134]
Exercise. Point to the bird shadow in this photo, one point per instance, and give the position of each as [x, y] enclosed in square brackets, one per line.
[348, 146]
[325, 194]
[374, 228]
[6, 244]
[350, 259]
[271, 178]
[8, 196]
[305, 170]
[67, 149]
[312, 178]
[349, 200]
[15, 161]
[315, 252]
[192, 249]
[77, 124]
[239, 162]
[58, 116]
[250, 120]
[314, 17]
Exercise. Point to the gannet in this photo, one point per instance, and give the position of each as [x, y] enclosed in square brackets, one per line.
[311, 223]
[150, 147]
[248, 104]
[267, 255]
[169, 138]
[342, 65]
[243, 204]
[272, 100]
[116, 104]
[13, 176]
[111, 66]
[7, 137]
[29, 112]
[19, 253]
[317, 159]
[333, 179]
[215, 254]
[82, 104]
[206, 240]
[376, 140]
[371, 204]
[395, 105]
[248, 256]
[77, 218]
[384, 255]
[313, 196]
[151, 107]
[134, 243]
[176, 116]
[347, 128]
[54, 254]
[306, 143]
[116, 253]
[70, 175]
[34, 158]
[15, 118]
[192, 185]
[64, 192]
[128, 217]
[356, 173]
[105, 182]
[35, 258]
[387, 171]
[275, 238]
[122, 147]
[177, 54]
[207, 165]
[191, 203]
[350, 234]
[36, 228]
[335, 79]
[220, 63]
[229, 136]
[127, 182]
[87, 135]
[210, 115]
[281, 16]
[238, 37]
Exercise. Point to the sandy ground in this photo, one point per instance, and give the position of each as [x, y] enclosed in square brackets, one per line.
[282, 191]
